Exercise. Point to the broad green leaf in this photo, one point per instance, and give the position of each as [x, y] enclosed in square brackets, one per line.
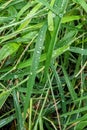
[8, 49]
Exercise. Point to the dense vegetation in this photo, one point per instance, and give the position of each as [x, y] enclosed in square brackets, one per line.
[43, 64]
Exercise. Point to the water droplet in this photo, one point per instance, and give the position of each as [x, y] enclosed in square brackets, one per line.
[40, 39]
[64, 11]
[15, 76]
[63, 101]
[55, 53]
[30, 73]
[65, 117]
[53, 15]
[60, 15]
[40, 47]
[38, 52]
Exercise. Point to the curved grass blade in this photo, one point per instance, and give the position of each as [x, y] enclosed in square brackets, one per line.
[34, 66]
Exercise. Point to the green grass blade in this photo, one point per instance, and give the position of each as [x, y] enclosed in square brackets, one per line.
[69, 85]
[8, 49]
[83, 4]
[3, 96]
[78, 50]
[60, 88]
[81, 125]
[75, 111]
[26, 7]
[28, 17]
[18, 111]
[52, 43]
[6, 120]
[34, 65]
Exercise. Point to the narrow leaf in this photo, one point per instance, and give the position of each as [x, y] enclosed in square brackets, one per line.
[34, 66]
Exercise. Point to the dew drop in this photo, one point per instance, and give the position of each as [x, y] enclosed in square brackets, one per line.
[60, 15]
[40, 47]
[40, 39]
[53, 15]
[63, 101]
[38, 52]
[64, 11]
[30, 73]
[15, 76]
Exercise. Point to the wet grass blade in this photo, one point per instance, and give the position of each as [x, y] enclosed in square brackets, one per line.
[8, 49]
[3, 96]
[6, 120]
[34, 65]
[18, 111]
[60, 88]
[78, 50]
[69, 85]
[57, 22]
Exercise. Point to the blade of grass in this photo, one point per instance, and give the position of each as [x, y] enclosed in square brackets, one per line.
[30, 115]
[82, 3]
[6, 120]
[26, 7]
[60, 88]
[18, 111]
[75, 111]
[78, 50]
[81, 125]
[8, 49]
[34, 66]
[3, 96]
[69, 85]
[63, 6]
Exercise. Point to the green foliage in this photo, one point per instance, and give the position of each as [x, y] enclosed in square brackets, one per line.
[43, 64]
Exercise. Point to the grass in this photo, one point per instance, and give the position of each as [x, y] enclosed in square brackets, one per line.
[43, 65]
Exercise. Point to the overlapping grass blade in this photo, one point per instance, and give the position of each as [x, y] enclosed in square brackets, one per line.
[60, 88]
[34, 65]
[3, 97]
[8, 49]
[69, 85]
[83, 4]
[6, 120]
[18, 111]
[63, 5]
[78, 50]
